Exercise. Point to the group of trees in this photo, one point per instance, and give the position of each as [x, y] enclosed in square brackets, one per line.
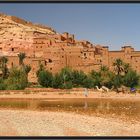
[123, 74]
[16, 77]
[65, 79]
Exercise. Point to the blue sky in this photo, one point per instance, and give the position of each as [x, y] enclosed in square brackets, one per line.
[113, 25]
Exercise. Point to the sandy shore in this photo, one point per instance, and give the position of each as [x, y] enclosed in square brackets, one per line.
[67, 94]
[39, 123]
[36, 123]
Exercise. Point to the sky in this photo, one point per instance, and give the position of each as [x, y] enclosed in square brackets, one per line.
[113, 25]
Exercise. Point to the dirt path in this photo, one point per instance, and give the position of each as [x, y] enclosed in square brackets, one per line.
[37, 123]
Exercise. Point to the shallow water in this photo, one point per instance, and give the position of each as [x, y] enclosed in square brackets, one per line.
[100, 107]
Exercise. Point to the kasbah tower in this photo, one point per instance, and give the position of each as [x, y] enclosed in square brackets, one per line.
[42, 44]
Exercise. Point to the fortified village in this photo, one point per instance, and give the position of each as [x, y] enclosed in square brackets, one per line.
[42, 44]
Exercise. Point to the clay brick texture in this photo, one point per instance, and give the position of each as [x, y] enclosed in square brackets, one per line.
[42, 44]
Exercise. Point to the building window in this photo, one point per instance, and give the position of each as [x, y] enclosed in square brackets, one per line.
[62, 56]
[45, 63]
[12, 64]
[50, 68]
[50, 61]
[12, 49]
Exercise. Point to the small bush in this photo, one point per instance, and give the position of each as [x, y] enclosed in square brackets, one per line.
[17, 79]
[45, 78]
[88, 82]
[67, 85]
[2, 84]
[131, 79]
[57, 81]
[78, 77]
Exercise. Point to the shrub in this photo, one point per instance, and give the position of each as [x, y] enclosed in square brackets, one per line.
[2, 84]
[66, 74]
[67, 85]
[78, 77]
[88, 82]
[57, 81]
[45, 78]
[117, 81]
[17, 79]
[27, 69]
[131, 79]
[41, 68]
[97, 79]
[105, 76]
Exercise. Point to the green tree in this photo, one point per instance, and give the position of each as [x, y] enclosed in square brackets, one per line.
[21, 56]
[17, 79]
[118, 66]
[116, 81]
[67, 85]
[88, 82]
[131, 79]
[45, 78]
[3, 67]
[27, 69]
[96, 76]
[57, 81]
[2, 84]
[78, 77]
[66, 75]
[105, 75]
[41, 68]
[126, 67]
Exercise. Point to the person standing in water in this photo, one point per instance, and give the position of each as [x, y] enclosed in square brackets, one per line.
[86, 95]
[86, 92]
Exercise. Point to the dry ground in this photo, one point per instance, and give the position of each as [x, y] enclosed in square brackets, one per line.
[37, 123]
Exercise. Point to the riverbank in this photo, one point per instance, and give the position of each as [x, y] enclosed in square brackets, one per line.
[74, 93]
[37, 123]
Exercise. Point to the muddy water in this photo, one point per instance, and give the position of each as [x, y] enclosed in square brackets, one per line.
[100, 107]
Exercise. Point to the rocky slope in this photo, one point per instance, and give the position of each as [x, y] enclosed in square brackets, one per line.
[19, 32]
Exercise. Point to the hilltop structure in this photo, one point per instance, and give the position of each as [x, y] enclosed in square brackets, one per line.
[44, 45]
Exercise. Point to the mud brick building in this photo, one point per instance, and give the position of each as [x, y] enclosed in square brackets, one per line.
[43, 44]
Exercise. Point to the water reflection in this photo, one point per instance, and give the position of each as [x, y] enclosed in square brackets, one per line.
[88, 106]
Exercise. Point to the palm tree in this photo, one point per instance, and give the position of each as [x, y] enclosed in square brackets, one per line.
[126, 67]
[105, 74]
[21, 56]
[41, 68]
[27, 69]
[118, 66]
[104, 69]
[3, 66]
[97, 78]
